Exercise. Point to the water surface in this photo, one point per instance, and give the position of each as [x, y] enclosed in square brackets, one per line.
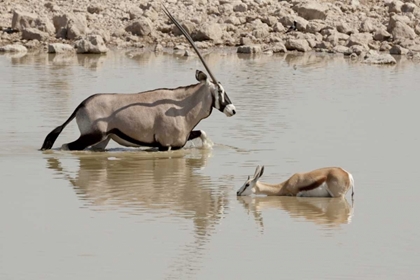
[128, 214]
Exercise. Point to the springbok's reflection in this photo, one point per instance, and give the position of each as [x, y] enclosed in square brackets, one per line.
[326, 212]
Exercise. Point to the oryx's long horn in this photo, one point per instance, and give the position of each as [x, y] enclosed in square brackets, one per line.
[190, 40]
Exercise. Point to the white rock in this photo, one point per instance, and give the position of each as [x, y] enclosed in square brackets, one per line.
[249, 49]
[91, 44]
[21, 20]
[297, 44]
[34, 34]
[312, 10]
[59, 48]
[13, 48]
[373, 57]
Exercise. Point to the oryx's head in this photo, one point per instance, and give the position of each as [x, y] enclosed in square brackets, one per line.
[248, 187]
[221, 100]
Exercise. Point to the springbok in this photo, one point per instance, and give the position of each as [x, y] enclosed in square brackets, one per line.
[323, 182]
[162, 118]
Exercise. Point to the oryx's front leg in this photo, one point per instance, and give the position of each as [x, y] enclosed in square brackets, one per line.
[203, 136]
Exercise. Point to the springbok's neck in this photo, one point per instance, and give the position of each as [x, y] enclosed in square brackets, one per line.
[268, 189]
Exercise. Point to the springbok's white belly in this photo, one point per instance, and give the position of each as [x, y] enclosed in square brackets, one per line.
[321, 191]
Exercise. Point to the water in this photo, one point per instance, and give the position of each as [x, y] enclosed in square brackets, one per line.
[127, 214]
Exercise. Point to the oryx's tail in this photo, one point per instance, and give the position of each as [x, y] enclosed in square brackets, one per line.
[52, 136]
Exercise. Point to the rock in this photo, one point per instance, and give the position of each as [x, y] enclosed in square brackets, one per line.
[384, 46]
[367, 26]
[397, 18]
[44, 24]
[91, 44]
[70, 26]
[13, 48]
[32, 44]
[408, 7]
[343, 27]
[311, 10]
[270, 21]
[21, 20]
[261, 31]
[278, 27]
[34, 34]
[381, 35]
[208, 31]
[402, 31]
[297, 44]
[315, 26]
[279, 48]
[59, 48]
[373, 57]
[95, 9]
[245, 41]
[396, 49]
[342, 49]
[414, 48]
[141, 27]
[240, 7]
[361, 39]
[357, 49]
[135, 13]
[249, 49]
[188, 26]
[395, 6]
[158, 48]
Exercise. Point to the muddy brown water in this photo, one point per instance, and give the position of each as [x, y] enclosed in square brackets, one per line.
[129, 214]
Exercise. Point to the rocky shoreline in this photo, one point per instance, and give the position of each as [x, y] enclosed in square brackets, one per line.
[372, 31]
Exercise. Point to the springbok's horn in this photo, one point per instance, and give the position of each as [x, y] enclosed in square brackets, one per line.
[190, 40]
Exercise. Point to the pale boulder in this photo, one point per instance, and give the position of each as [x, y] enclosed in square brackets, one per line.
[402, 31]
[311, 10]
[249, 49]
[34, 34]
[22, 20]
[373, 57]
[13, 48]
[297, 44]
[60, 48]
[208, 31]
[141, 27]
[91, 44]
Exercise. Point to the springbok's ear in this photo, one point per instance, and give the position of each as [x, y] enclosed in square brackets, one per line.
[200, 76]
[257, 170]
[261, 171]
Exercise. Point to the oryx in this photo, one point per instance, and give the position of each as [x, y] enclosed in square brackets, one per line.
[162, 118]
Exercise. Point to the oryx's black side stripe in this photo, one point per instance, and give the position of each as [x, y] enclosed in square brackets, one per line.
[127, 138]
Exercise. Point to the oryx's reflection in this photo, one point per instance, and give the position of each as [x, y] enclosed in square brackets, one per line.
[326, 212]
[153, 184]
[146, 181]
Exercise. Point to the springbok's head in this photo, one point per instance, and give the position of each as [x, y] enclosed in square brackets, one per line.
[221, 100]
[248, 187]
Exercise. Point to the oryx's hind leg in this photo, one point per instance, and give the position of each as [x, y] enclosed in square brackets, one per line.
[84, 141]
[101, 145]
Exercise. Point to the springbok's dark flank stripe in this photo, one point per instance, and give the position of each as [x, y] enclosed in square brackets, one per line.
[314, 185]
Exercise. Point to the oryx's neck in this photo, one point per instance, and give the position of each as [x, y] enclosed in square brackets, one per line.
[268, 189]
[199, 105]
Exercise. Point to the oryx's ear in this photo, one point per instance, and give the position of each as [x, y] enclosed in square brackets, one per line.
[200, 76]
